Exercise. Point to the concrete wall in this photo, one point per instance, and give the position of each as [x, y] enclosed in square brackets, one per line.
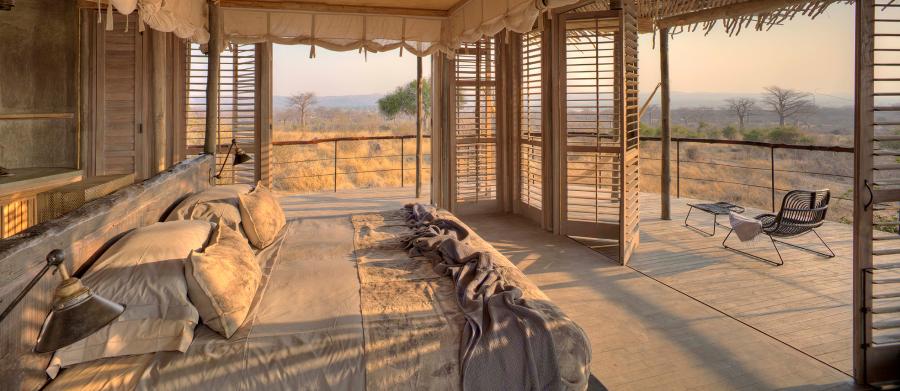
[37, 75]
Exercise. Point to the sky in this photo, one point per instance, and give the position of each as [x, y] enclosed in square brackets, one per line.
[815, 56]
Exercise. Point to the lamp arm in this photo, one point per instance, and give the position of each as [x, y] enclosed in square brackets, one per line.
[225, 161]
[55, 258]
[24, 292]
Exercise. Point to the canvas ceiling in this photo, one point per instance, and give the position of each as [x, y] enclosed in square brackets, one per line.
[421, 35]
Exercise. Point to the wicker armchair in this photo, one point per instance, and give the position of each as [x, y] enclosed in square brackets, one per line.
[802, 211]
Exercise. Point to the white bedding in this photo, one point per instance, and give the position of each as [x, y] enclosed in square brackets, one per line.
[290, 339]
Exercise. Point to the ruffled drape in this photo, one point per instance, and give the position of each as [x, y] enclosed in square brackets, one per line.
[185, 18]
[419, 35]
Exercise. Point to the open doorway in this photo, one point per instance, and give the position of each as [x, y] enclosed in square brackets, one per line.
[347, 120]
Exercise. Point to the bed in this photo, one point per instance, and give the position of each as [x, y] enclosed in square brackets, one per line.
[341, 305]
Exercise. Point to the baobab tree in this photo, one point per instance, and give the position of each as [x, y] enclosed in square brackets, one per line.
[742, 108]
[303, 102]
[786, 102]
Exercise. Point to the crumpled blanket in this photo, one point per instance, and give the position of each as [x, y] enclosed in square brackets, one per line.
[505, 345]
[746, 228]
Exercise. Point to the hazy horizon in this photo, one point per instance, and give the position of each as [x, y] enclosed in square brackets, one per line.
[814, 56]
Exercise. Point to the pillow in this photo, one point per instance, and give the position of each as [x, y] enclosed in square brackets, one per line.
[144, 270]
[222, 280]
[216, 204]
[261, 216]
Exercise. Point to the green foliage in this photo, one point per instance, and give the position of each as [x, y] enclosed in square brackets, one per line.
[403, 101]
[729, 132]
[787, 135]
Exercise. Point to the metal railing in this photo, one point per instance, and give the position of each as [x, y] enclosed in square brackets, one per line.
[773, 169]
[403, 166]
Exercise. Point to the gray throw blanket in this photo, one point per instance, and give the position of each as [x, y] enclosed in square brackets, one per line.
[505, 345]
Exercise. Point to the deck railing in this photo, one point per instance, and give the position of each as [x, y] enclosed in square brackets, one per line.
[348, 162]
[755, 173]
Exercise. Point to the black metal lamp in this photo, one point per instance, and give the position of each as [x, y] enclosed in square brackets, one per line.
[240, 157]
[77, 311]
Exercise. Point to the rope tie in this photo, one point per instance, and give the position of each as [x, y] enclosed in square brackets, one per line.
[312, 38]
[109, 18]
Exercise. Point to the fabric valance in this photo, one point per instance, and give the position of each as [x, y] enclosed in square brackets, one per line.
[420, 35]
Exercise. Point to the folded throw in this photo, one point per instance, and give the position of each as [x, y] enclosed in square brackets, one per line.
[746, 228]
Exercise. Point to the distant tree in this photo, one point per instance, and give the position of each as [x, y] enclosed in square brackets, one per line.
[786, 135]
[303, 103]
[786, 102]
[742, 108]
[729, 132]
[403, 101]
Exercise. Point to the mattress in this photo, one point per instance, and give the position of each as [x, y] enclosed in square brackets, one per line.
[342, 306]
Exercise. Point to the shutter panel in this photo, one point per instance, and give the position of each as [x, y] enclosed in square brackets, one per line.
[531, 124]
[238, 103]
[475, 120]
[118, 142]
[876, 248]
[598, 127]
[627, 108]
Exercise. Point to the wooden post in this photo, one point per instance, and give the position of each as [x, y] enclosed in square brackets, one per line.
[666, 131]
[159, 54]
[212, 84]
[420, 123]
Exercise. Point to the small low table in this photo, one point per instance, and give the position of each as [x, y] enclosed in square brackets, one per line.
[716, 209]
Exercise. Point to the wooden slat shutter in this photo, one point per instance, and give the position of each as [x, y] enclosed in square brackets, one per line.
[531, 125]
[475, 130]
[119, 84]
[627, 111]
[876, 248]
[598, 127]
[239, 101]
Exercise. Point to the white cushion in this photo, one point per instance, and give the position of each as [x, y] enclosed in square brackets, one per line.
[261, 216]
[222, 280]
[218, 204]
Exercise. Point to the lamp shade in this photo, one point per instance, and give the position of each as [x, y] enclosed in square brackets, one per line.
[77, 313]
[241, 157]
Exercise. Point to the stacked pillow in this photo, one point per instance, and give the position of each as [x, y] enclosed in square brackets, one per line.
[195, 266]
[144, 270]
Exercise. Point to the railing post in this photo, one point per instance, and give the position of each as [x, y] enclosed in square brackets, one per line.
[335, 165]
[402, 164]
[678, 169]
[772, 165]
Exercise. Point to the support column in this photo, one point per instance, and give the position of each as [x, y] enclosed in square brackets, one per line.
[212, 82]
[159, 92]
[420, 123]
[666, 131]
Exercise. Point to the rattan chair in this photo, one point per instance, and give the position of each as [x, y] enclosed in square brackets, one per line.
[802, 211]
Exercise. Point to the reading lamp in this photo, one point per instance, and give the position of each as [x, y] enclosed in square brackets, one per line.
[77, 311]
[240, 157]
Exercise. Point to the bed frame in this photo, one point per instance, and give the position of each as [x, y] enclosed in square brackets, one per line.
[82, 235]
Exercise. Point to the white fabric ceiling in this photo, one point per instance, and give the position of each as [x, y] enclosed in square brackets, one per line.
[421, 35]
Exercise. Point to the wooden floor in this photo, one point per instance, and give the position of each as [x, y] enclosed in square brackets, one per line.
[686, 313]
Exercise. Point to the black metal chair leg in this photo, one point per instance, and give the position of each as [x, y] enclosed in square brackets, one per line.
[780, 259]
[830, 253]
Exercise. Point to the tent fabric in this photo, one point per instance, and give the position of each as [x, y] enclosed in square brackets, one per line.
[419, 35]
[185, 18]
[334, 31]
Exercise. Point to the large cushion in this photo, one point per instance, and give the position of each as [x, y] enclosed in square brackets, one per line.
[261, 216]
[222, 280]
[217, 204]
[144, 270]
